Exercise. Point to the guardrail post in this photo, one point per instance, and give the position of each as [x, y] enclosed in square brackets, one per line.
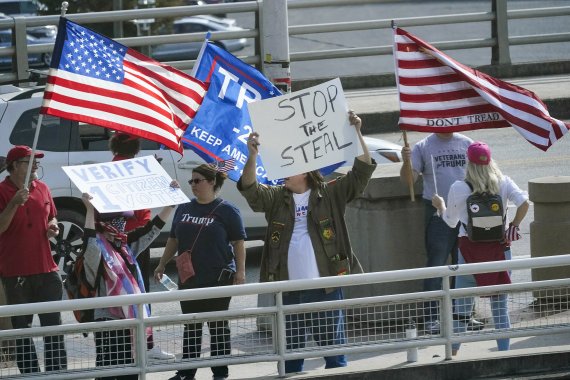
[117, 25]
[280, 334]
[20, 43]
[500, 32]
[141, 341]
[446, 316]
[274, 35]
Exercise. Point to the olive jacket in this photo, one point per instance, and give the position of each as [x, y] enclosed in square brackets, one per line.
[326, 224]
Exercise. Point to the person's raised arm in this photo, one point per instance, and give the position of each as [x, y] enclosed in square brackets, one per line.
[249, 177]
[355, 120]
[167, 210]
[89, 211]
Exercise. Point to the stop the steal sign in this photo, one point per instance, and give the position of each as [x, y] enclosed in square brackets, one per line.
[305, 130]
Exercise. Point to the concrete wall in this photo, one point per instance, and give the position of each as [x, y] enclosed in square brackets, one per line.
[387, 233]
[551, 227]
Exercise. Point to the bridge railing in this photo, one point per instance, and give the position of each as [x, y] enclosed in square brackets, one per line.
[258, 334]
[498, 16]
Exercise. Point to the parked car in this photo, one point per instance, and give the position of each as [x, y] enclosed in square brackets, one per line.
[36, 59]
[189, 50]
[67, 143]
[27, 8]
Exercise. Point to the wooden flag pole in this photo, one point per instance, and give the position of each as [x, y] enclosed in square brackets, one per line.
[409, 169]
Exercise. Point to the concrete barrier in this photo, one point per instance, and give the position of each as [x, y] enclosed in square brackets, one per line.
[387, 233]
[550, 229]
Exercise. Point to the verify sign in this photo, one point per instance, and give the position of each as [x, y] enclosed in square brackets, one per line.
[305, 130]
[126, 185]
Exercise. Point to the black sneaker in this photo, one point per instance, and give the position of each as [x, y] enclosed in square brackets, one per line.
[180, 376]
[475, 325]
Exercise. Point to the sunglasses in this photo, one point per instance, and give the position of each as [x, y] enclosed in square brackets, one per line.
[196, 181]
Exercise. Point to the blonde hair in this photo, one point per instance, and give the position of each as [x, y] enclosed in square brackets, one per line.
[484, 178]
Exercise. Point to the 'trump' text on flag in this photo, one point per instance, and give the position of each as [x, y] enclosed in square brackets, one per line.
[221, 127]
[439, 94]
[96, 80]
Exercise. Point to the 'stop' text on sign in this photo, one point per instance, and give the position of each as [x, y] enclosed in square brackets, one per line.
[304, 130]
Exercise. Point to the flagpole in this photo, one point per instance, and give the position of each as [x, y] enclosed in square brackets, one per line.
[434, 176]
[64, 6]
[408, 164]
[195, 67]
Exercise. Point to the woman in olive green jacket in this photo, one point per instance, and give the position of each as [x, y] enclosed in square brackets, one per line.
[307, 238]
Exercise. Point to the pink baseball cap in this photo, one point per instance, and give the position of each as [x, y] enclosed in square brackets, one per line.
[21, 151]
[479, 153]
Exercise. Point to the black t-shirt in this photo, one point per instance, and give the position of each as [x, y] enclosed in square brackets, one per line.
[212, 250]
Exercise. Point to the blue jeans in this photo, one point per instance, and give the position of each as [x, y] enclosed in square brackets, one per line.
[440, 242]
[464, 306]
[327, 327]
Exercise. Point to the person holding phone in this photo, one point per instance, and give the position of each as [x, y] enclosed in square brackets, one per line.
[210, 231]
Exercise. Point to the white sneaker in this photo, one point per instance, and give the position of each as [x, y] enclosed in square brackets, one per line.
[432, 327]
[157, 354]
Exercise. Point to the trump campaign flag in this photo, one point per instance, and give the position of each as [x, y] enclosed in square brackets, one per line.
[439, 94]
[96, 80]
[220, 129]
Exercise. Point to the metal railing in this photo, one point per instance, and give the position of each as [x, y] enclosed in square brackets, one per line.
[373, 323]
[499, 39]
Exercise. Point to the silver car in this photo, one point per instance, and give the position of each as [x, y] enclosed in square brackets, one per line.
[189, 50]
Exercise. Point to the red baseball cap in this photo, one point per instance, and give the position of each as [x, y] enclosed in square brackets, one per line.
[479, 153]
[21, 151]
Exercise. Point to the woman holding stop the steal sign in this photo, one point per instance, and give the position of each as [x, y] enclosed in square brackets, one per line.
[307, 238]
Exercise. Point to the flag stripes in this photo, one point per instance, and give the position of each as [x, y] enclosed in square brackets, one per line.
[439, 94]
[96, 80]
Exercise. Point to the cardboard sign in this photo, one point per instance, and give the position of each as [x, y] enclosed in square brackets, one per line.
[305, 130]
[126, 185]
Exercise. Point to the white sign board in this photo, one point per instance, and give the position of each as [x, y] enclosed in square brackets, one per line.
[305, 130]
[126, 185]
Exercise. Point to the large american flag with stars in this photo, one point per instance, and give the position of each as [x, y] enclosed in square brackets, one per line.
[96, 80]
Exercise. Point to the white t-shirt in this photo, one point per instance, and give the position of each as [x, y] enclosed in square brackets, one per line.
[457, 201]
[301, 256]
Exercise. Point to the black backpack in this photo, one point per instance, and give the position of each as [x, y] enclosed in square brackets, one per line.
[77, 286]
[485, 217]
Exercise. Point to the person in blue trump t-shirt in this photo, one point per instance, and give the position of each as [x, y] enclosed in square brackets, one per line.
[211, 231]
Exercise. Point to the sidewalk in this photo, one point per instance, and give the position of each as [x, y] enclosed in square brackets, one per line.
[473, 358]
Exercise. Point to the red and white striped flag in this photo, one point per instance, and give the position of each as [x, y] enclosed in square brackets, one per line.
[96, 80]
[439, 94]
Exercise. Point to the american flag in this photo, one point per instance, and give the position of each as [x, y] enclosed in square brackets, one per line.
[439, 94]
[224, 166]
[96, 80]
